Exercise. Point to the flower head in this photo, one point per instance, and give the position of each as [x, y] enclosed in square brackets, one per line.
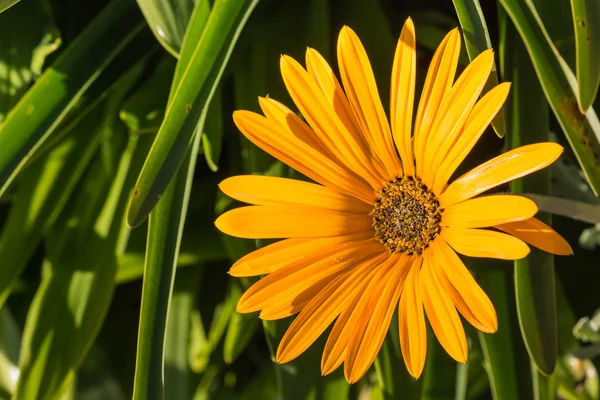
[381, 227]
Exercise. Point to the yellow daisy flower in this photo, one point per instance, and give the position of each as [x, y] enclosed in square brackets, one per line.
[381, 227]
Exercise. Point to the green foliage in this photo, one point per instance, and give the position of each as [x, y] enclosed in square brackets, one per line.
[114, 113]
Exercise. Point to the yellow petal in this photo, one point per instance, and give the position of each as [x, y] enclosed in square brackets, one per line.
[488, 211]
[508, 166]
[441, 312]
[322, 118]
[468, 297]
[411, 323]
[538, 234]
[403, 95]
[296, 302]
[280, 114]
[275, 140]
[323, 309]
[438, 83]
[336, 347]
[279, 254]
[301, 274]
[361, 89]
[485, 243]
[365, 343]
[275, 191]
[480, 117]
[276, 222]
[453, 113]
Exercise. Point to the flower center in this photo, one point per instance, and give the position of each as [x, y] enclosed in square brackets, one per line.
[406, 216]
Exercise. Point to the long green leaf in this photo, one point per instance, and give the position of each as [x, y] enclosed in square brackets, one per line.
[165, 230]
[60, 86]
[477, 39]
[498, 348]
[71, 303]
[528, 122]
[10, 342]
[439, 375]
[586, 19]
[189, 103]
[6, 4]
[582, 130]
[168, 20]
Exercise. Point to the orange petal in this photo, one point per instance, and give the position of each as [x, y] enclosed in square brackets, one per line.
[453, 113]
[488, 211]
[279, 254]
[367, 340]
[538, 234]
[324, 77]
[438, 83]
[275, 191]
[323, 309]
[275, 140]
[480, 117]
[336, 347]
[411, 323]
[468, 297]
[322, 118]
[508, 166]
[403, 95]
[441, 312]
[276, 222]
[361, 89]
[280, 114]
[485, 243]
[301, 274]
[296, 302]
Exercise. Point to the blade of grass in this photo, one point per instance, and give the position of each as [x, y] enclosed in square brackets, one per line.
[39, 112]
[189, 104]
[586, 19]
[439, 375]
[477, 39]
[168, 20]
[582, 130]
[528, 122]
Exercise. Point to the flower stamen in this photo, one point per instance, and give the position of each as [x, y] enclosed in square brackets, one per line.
[407, 216]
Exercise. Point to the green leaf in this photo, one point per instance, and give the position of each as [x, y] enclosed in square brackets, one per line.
[46, 185]
[241, 329]
[212, 135]
[38, 113]
[165, 230]
[582, 131]
[477, 39]
[528, 122]
[73, 299]
[145, 109]
[394, 379]
[586, 19]
[578, 210]
[10, 342]
[168, 20]
[23, 48]
[6, 4]
[439, 375]
[498, 348]
[177, 370]
[190, 101]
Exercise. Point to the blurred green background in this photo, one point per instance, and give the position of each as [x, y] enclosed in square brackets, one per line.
[91, 309]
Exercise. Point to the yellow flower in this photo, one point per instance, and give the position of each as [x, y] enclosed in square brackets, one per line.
[381, 227]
